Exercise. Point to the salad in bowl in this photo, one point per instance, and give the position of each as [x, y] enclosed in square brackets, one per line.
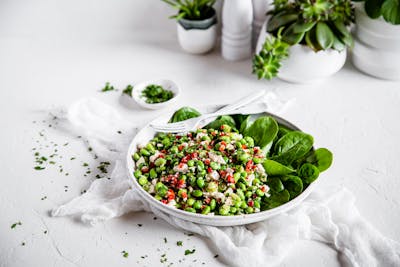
[238, 166]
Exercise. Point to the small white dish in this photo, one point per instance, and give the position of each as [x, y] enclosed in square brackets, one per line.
[166, 84]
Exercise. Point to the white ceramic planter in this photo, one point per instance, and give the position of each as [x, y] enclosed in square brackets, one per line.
[376, 32]
[304, 65]
[197, 36]
[377, 46]
[197, 41]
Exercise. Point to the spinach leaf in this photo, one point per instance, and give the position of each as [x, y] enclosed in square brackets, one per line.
[263, 131]
[292, 146]
[221, 120]
[275, 168]
[308, 173]
[322, 158]
[277, 199]
[293, 184]
[241, 121]
[184, 113]
[275, 184]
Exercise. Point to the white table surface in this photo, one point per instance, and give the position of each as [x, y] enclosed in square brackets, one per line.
[55, 52]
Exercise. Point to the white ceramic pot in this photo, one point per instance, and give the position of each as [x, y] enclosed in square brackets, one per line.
[304, 65]
[376, 32]
[197, 41]
[377, 46]
[381, 63]
[260, 8]
[197, 36]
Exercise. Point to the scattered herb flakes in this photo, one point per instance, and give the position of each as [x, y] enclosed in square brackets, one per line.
[188, 234]
[119, 132]
[66, 144]
[163, 258]
[36, 154]
[45, 232]
[128, 90]
[52, 162]
[108, 88]
[98, 176]
[15, 225]
[23, 244]
[165, 240]
[39, 168]
[179, 243]
[72, 158]
[90, 149]
[188, 251]
[66, 174]
[103, 166]
[125, 254]
[216, 256]
[43, 198]
[139, 224]
[154, 218]
[144, 256]
[85, 164]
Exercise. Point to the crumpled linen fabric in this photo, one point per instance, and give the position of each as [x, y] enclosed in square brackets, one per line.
[332, 220]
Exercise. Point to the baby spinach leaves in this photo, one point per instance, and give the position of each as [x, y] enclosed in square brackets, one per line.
[292, 146]
[308, 172]
[263, 131]
[184, 113]
[222, 120]
[272, 167]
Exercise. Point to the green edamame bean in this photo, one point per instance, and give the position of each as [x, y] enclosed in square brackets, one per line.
[160, 162]
[197, 193]
[190, 210]
[213, 204]
[136, 157]
[137, 173]
[212, 187]
[144, 152]
[214, 165]
[200, 182]
[142, 180]
[259, 192]
[153, 173]
[224, 210]
[206, 210]
[233, 210]
[257, 160]
[249, 210]
[198, 204]
[190, 163]
[150, 148]
[191, 201]
[236, 176]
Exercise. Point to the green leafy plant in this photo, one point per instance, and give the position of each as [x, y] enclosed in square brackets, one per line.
[192, 9]
[318, 24]
[388, 9]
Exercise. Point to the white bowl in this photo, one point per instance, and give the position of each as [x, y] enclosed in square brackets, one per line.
[166, 84]
[147, 133]
[304, 65]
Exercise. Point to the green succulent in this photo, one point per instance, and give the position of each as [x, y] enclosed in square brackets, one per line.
[318, 24]
[192, 9]
[267, 63]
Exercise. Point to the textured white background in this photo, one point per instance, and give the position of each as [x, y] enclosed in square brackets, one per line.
[56, 52]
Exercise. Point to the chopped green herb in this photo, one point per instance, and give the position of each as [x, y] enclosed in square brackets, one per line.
[216, 256]
[188, 251]
[72, 158]
[128, 90]
[163, 258]
[179, 243]
[15, 225]
[52, 162]
[43, 198]
[119, 132]
[139, 224]
[36, 154]
[108, 88]
[43, 158]
[65, 144]
[45, 232]
[90, 149]
[85, 164]
[23, 244]
[39, 168]
[125, 254]
[165, 240]
[156, 94]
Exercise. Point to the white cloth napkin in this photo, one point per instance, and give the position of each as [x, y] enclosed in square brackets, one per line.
[327, 217]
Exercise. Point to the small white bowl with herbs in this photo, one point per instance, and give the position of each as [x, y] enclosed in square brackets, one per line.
[155, 94]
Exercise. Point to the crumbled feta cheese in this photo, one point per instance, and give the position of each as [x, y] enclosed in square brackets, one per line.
[229, 201]
[260, 169]
[216, 158]
[155, 156]
[183, 168]
[214, 175]
[140, 161]
[172, 203]
[200, 135]
[250, 178]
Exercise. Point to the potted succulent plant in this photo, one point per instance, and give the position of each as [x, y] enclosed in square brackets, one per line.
[377, 44]
[196, 24]
[304, 40]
